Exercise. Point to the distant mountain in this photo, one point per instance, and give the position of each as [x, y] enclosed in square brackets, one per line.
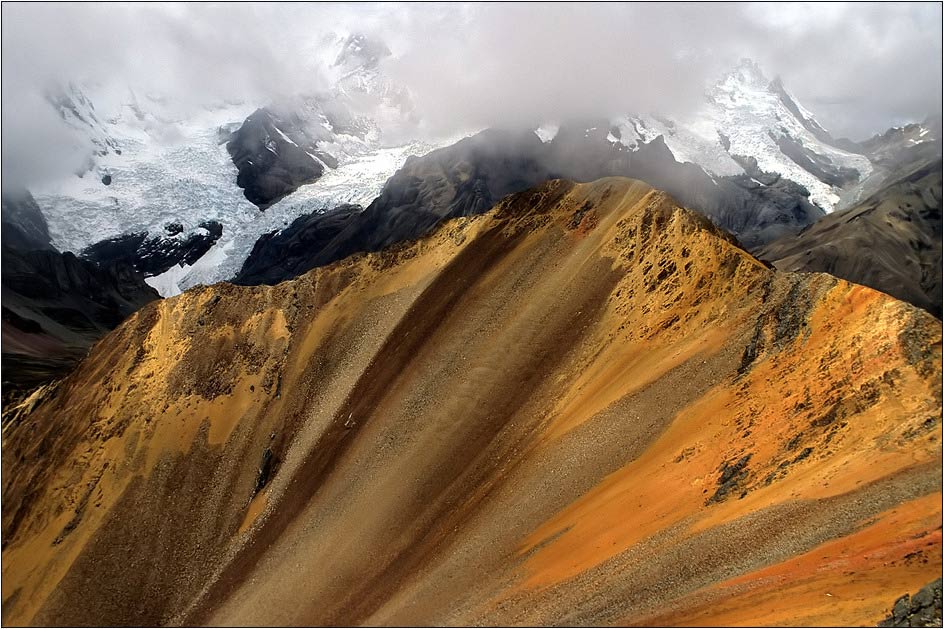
[890, 242]
[752, 158]
[147, 167]
[286, 145]
[894, 154]
[470, 176]
[746, 117]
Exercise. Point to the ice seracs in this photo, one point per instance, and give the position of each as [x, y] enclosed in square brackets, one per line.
[162, 169]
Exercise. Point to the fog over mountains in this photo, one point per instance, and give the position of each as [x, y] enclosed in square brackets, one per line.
[862, 68]
[471, 314]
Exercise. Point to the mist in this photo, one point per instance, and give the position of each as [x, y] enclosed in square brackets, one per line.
[860, 67]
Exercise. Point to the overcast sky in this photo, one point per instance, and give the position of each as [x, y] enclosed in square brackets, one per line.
[860, 67]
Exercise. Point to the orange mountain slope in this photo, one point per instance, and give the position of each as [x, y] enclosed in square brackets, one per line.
[587, 406]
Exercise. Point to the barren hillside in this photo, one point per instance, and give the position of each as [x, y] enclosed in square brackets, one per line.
[587, 406]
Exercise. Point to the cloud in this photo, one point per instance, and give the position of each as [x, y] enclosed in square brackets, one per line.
[860, 67]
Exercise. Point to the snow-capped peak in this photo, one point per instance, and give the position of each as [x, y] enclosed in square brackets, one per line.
[360, 51]
[79, 116]
[163, 167]
[748, 116]
[746, 73]
[547, 132]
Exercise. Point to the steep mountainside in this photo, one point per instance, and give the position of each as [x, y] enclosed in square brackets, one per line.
[587, 406]
[55, 306]
[891, 242]
[22, 224]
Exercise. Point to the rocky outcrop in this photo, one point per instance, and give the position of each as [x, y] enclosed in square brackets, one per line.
[921, 610]
[520, 419]
[152, 254]
[270, 163]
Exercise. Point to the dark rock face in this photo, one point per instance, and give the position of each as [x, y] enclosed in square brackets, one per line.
[470, 176]
[286, 253]
[811, 125]
[732, 473]
[890, 242]
[275, 155]
[55, 306]
[815, 164]
[152, 255]
[23, 225]
[921, 610]
[361, 51]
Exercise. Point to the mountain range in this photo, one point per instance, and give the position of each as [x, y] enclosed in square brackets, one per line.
[752, 158]
[301, 363]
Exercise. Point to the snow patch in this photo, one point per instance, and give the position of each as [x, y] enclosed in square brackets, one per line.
[751, 115]
[547, 132]
[166, 283]
[284, 137]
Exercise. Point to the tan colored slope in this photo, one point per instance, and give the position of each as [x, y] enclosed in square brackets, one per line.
[586, 406]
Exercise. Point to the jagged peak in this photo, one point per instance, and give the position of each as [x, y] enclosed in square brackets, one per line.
[747, 72]
[361, 50]
[632, 199]
[804, 115]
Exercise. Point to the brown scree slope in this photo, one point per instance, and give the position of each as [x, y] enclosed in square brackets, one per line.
[585, 406]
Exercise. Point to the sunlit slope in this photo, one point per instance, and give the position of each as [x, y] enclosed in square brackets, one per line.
[587, 406]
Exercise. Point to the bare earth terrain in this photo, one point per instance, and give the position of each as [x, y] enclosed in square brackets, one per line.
[587, 406]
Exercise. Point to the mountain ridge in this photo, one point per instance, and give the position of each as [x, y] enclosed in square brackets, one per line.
[368, 408]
